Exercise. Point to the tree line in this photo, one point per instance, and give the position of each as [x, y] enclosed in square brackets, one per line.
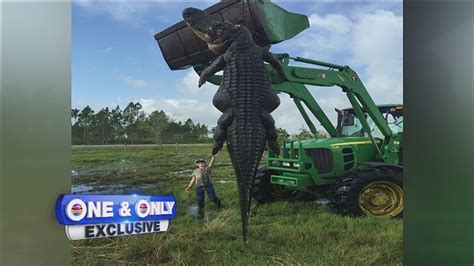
[133, 126]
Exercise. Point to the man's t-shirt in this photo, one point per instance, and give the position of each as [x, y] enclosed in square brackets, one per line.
[203, 176]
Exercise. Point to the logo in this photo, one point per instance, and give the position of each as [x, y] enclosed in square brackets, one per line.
[75, 210]
[93, 216]
[354, 78]
[142, 208]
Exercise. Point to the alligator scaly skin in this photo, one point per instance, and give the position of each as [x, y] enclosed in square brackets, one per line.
[246, 98]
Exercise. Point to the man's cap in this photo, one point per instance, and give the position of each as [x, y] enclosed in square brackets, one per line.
[200, 161]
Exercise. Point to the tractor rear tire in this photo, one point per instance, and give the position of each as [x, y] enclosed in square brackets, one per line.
[374, 192]
[261, 186]
[264, 191]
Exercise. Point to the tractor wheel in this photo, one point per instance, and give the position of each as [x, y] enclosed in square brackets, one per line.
[264, 191]
[374, 192]
[261, 186]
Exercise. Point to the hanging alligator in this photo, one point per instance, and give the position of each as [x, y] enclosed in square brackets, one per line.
[245, 97]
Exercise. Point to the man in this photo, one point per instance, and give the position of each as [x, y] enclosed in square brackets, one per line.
[202, 177]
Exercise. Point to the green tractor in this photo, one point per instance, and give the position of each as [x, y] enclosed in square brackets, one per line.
[359, 166]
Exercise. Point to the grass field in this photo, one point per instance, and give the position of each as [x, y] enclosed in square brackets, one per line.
[280, 233]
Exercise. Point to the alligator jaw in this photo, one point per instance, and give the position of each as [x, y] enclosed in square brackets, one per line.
[201, 23]
[209, 29]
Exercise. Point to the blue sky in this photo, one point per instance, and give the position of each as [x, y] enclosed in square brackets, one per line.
[115, 58]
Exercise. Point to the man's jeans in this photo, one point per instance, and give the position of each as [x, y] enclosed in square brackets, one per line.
[200, 192]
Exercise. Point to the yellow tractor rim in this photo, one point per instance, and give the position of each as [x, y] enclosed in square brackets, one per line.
[381, 198]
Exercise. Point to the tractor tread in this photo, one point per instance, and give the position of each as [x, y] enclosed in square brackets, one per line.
[261, 186]
[345, 195]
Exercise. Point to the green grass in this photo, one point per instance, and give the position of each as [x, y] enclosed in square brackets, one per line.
[280, 233]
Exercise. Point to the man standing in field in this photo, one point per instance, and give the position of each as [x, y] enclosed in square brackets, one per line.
[202, 177]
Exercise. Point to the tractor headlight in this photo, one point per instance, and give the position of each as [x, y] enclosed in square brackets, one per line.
[296, 165]
[276, 163]
[286, 164]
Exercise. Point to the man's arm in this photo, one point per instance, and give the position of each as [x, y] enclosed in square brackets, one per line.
[211, 163]
[191, 183]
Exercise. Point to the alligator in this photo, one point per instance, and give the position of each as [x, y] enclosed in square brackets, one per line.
[245, 97]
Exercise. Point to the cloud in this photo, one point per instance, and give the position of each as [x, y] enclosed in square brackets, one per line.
[378, 49]
[287, 116]
[182, 109]
[327, 39]
[188, 87]
[370, 42]
[335, 23]
[196, 103]
[190, 101]
[202, 111]
[136, 83]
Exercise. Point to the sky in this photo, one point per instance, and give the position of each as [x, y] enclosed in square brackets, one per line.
[116, 60]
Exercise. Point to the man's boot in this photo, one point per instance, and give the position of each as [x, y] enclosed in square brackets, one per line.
[218, 203]
[201, 210]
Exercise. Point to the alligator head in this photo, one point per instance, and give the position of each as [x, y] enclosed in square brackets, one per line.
[217, 34]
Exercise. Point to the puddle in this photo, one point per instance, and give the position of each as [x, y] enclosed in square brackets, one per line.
[183, 171]
[111, 169]
[193, 210]
[225, 181]
[322, 202]
[115, 167]
[114, 189]
[81, 188]
[209, 214]
[76, 173]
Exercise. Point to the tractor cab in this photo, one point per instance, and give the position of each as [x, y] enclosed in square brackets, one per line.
[348, 125]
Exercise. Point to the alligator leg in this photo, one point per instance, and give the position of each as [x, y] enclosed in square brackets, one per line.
[269, 58]
[221, 99]
[220, 133]
[272, 135]
[216, 66]
[272, 101]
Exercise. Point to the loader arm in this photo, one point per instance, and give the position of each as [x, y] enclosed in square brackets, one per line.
[334, 75]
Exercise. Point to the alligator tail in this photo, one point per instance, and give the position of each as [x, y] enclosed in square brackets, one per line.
[244, 199]
[246, 146]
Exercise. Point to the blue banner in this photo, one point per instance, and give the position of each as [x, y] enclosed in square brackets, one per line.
[100, 209]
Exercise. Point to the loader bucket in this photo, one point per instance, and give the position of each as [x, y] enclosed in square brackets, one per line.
[269, 24]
